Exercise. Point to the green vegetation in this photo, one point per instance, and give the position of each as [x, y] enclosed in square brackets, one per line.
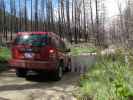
[5, 55]
[109, 79]
[3, 67]
[78, 50]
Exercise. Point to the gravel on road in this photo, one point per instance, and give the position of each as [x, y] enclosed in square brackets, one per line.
[36, 87]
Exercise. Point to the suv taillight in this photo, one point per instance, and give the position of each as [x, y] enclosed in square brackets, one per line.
[52, 54]
[16, 54]
[51, 51]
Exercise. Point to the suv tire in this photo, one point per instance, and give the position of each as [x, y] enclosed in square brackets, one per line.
[58, 74]
[21, 72]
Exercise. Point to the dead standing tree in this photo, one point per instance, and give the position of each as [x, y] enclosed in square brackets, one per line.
[62, 17]
[2, 17]
[97, 23]
[127, 17]
[72, 17]
[102, 18]
[20, 16]
[75, 21]
[43, 14]
[77, 14]
[128, 21]
[12, 17]
[49, 17]
[68, 20]
[121, 24]
[25, 15]
[36, 15]
[91, 14]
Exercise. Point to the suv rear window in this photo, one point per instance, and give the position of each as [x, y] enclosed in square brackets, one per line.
[33, 40]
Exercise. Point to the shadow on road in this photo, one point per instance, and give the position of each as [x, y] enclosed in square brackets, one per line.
[3, 67]
[3, 99]
[41, 81]
[40, 78]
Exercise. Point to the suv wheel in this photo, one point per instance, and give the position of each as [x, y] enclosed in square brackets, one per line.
[58, 74]
[21, 72]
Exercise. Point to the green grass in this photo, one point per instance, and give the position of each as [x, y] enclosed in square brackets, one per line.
[3, 67]
[109, 79]
[78, 50]
[5, 54]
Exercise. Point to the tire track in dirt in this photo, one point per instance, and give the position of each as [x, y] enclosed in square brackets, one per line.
[37, 87]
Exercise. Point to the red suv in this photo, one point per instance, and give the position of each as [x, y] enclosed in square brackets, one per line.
[39, 51]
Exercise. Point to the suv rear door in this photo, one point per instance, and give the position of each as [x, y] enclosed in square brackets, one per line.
[30, 47]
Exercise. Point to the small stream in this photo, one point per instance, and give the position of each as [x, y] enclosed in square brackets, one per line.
[81, 63]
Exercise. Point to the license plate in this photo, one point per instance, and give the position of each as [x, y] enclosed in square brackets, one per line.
[28, 55]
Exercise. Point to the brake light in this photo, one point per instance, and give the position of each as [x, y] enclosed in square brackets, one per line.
[52, 54]
[16, 54]
[51, 51]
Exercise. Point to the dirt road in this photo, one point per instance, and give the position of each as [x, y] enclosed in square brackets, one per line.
[40, 87]
[37, 87]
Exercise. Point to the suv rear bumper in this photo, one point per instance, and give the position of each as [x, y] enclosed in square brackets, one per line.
[32, 65]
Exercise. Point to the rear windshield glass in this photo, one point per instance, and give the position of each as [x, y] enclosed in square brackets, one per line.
[33, 40]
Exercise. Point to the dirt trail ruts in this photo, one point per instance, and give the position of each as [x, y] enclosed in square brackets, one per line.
[40, 87]
[37, 87]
